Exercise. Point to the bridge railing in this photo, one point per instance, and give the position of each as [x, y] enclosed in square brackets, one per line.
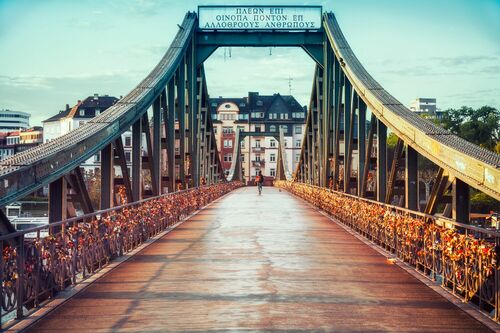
[462, 258]
[34, 268]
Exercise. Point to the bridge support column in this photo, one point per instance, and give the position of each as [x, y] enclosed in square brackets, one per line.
[58, 200]
[107, 177]
[381, 161]
[347, 133]
[137, 160]
[181, 116]
[169, 118]
[411, 179]
[155, 155]
[361, 145]
[461, 201]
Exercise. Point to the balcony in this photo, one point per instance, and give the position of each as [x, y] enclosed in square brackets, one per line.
[259, 163]
[257, 149]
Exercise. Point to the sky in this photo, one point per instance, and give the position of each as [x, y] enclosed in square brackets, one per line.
[55, 52]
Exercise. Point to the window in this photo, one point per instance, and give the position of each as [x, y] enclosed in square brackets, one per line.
[272, 158]
[97, 112]
[259, 103]
[128, 156]
[242, 143]
[284, 116]
[272, 172]
[257, 143]
[215, 130]
[227, 130]
[257, 129]
[128, 141]
[257, 157]
[285, 128]
[214, 104]
[298, 143]
[228, 157]
[242, 105]
[228, 143]
[242, 157]
[297, 158]
[214, 116]
[272, 143]
[272, 128]
[97, 158]
[82, 112]
[298, 129]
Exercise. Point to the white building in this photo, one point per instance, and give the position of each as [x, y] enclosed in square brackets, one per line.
[11, 121]
[72, 118]
[426, 107]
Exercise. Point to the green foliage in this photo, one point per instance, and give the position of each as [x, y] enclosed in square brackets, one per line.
[392, 139]
[480, 126]
[483, 203]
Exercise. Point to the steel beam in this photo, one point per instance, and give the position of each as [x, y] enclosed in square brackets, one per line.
[338, 88]
[362, 160]
[137, 160]
[155, 154]
[327, 110]
[107, 177]
[461, 201]
[170, 133]
[122, 161]
[181, 116]
[368, 154]
[411, 179]
[83, 192]
[149, 147]
[58, 200]
[5, 226]
[347, 133]
[381, 161]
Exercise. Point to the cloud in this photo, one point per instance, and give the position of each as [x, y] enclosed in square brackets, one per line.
[463, 60]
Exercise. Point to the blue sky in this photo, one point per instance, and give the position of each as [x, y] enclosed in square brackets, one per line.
[55, 52]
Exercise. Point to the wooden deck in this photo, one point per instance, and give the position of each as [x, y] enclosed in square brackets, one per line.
[258, 263]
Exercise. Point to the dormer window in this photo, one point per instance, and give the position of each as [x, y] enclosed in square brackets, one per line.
[259, 103]
[97, 112]
[227, 106]
[82, 112]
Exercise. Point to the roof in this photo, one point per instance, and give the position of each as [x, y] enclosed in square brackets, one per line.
[261, 103]
[89, 105]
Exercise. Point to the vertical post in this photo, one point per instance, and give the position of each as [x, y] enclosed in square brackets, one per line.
[336, 121]
[327, 110]
[461, 201]
[347, 133]
[181, 116]
[170, 134]
[411, 179]
[381, 161]
[361, 144]
[57, 200]
[107, 177]
[192, 103]
[155, 155]
[137, 159]
[20, 277]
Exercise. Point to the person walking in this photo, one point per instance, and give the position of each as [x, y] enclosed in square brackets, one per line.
[259, 179]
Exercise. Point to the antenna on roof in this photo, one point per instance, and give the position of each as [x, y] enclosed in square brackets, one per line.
[290, 79]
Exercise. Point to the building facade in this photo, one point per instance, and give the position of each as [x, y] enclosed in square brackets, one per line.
[76, 116]
[426, 107]
[258, 113]
[11, 121]
[17, 141]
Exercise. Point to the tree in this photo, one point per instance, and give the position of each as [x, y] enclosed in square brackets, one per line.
[481, 126]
